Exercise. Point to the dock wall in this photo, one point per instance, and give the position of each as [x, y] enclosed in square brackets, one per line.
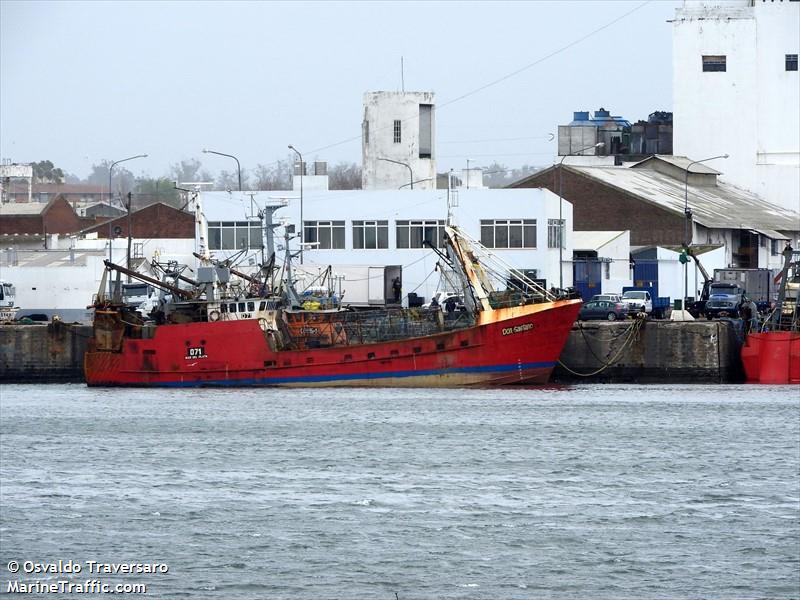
[655, 352]
[43, 353]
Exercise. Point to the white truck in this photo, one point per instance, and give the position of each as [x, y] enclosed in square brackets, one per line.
[8, 311]
[638, 301]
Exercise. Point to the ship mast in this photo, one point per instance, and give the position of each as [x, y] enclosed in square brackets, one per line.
[470, 268]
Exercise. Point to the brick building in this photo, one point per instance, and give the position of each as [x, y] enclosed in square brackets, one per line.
[35, 218]
[649, 199]
[156, 221]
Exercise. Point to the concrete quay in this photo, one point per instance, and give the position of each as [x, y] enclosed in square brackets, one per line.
[622, 351]
[51, 353]
[651, 352]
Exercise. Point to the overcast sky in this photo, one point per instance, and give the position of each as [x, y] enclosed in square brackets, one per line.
[86, 81]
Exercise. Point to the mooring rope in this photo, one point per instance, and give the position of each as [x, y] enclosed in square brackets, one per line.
[631, 332]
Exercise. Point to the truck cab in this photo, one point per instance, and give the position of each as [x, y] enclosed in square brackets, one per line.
[723, 300]
[7, 300]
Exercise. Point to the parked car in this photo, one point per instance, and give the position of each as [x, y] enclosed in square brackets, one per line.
[607, 297]
[603, 309]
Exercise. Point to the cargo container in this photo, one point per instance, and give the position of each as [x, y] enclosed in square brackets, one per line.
[363, 286]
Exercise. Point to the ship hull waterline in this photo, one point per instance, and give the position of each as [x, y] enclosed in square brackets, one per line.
[521, 346]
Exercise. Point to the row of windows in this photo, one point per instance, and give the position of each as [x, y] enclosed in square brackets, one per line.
[369, 235]
[508, 233]
[495, 233]
[234, 235]
[718, 62]
[374, 235]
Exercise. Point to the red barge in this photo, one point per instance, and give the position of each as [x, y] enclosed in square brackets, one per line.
[209, 337]
[772, 354]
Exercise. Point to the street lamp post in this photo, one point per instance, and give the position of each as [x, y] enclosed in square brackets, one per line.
[238, 166]
[302, 225]
[406, 165]
[111, 168]
[560, 218]
[116, 162]
[687, 213]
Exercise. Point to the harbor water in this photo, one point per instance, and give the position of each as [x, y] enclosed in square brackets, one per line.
[615, 491]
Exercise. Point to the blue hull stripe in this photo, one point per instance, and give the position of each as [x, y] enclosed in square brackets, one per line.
[353, 376]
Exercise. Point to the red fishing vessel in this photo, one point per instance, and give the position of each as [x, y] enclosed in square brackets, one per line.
[208, 336]
[772, 354]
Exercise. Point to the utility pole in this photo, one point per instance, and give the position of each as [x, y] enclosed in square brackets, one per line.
[130, 236]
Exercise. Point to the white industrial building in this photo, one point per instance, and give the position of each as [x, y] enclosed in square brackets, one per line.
[398, 141]
[348, 228]
[736, 91]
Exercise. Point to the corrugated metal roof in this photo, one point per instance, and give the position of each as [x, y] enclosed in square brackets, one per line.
[681, 162]
[50, 258]
[593, 240]
[721, 206]
[774, 235]
[22, 208]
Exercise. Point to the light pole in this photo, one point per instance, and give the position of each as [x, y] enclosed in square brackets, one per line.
[238, 166]
[687, 213]
[407, 166]
[116, 162]
[111, 168]
[560, 218]
[302, 225]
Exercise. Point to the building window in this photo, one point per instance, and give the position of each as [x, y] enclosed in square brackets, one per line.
[425, 130]
[714, 62]
[555, 233]
[370, 235]
[791, 62]
[138, 249]
[366, 132]
[234, 235]
[607, 270]
[411, 234]
[775, 247]
[397, 136]
[326, 235]
[508, 233]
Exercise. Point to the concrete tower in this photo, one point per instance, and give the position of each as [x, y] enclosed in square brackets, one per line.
[736, 91]
[397, 141]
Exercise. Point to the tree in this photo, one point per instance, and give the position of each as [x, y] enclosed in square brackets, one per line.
[344, 176]
[275, 176]
[189, 171]
[150, 191]
[123, 182]
[229, 180]
[45, 171]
